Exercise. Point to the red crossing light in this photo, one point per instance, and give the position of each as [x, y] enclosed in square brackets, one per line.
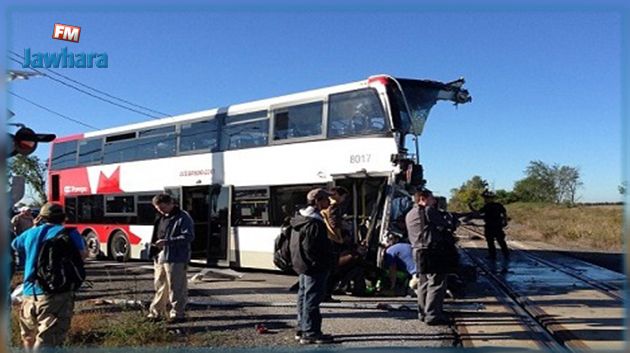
[25, 141]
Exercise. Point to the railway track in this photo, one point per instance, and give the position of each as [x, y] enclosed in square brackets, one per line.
[560, 307]
[613, 289]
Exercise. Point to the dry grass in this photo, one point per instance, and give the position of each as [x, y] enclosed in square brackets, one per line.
[16, 280]
[86, 329]
[587, 227]
[16, 338]
[132, 330]
[100, 329]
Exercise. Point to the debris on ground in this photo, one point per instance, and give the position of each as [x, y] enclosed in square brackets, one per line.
[261, 329]
[216, 272]
[120, 302]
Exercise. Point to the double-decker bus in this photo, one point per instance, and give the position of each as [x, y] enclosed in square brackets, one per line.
[243, 170]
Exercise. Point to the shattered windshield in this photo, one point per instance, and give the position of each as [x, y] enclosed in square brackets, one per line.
[421, 96]
[420, 99]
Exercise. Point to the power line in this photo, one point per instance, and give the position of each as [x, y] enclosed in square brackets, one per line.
[52, 111]
[96, 90]
[90, 94]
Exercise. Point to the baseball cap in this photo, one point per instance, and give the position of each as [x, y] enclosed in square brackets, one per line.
[24, 208]
[317, 194]
[51, 210]
[488, 193]
[424, 191]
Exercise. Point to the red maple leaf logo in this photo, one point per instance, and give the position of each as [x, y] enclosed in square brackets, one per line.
[109, 185]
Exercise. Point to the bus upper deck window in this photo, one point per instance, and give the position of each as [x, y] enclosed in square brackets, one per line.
[297, 121]
[355, 113]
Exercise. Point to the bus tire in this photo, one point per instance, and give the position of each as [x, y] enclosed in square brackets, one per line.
[119, 247]
[92, 245]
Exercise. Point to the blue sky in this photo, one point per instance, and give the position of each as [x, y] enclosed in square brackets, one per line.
[546, 85]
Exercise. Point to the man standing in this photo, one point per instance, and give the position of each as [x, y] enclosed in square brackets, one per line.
[44, 317]
[333, 215]
[495, 219]
[173, 232]
[22, 221]
[312, 259]
[428, 228]
[333, 219]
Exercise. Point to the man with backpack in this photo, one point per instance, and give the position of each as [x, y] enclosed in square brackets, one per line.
[53, 269]
[430, 234]
[312, 258]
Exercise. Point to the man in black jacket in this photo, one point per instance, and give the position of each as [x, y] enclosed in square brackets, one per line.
[312, 259]
[495, 219]
[429, 232]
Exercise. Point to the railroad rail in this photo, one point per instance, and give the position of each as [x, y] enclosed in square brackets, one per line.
[610, 289]
[563, 308]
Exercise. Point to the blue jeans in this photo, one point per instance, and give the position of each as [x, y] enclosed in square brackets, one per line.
[310, 294]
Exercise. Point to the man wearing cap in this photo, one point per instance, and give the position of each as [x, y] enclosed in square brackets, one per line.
[44, 318]
[22, 221]
[495, 219]
[312, 259]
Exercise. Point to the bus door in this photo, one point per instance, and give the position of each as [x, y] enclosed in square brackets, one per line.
[209, 207]
[366, 197]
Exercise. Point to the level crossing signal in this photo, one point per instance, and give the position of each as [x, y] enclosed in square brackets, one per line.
[25, 140]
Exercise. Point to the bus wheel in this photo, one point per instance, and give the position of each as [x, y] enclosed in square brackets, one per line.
[119, 247]
[92, 245]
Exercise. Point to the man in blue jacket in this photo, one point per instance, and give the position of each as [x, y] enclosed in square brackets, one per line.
[173, 232]
[312, 259]
[44, 317]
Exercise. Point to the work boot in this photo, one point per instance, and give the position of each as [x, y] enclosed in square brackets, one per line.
[438, 322]
[319, 339]
[154, 318]
[330, 299]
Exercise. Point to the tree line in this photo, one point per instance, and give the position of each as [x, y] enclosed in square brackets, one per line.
[34, 172]
[542, 183]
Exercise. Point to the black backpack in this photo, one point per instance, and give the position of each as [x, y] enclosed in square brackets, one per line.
[281, 250]
[59, 266]
[440, 254]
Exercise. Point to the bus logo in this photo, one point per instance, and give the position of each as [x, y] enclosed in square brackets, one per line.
[70, 189]
[66, 32]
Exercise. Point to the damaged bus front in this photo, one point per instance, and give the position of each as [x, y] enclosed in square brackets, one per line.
[380, 201]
